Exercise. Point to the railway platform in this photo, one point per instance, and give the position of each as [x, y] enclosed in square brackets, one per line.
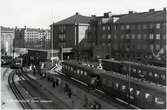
[8, 99]
[79, 98]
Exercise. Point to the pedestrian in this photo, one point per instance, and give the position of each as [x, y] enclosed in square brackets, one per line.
[69, 93]
[57, 82]
[34, 70]
[53, 85]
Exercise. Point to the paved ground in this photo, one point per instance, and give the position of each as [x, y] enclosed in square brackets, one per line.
[78, 98]
[8, 99]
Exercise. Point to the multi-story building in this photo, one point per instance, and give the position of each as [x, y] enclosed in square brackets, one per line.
[7, 36]
[19, 38]
[68, 33]
[37, 38]
[133, 36]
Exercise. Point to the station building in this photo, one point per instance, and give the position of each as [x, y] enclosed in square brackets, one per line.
[138, 36]
[68, 33]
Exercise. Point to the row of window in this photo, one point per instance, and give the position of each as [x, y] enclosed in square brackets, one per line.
[75, 71]
[145, 73]
[136, 36]
[138, 93]
[139, 46]
[137, 26]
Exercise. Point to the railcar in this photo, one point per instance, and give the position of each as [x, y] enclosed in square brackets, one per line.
[138, 93]
[140, 71]
[81, 72]
[113, 65]
[133, 91]
[145, 72]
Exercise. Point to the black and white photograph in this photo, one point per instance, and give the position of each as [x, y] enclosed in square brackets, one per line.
[83, 54]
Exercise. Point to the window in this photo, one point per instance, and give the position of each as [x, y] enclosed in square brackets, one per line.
[147, 95]
[137, 92]
[115, 47]
[157, 36]
[145, 36]
[151, 26]
[127, 36]
[122, 27]
[151, 46]
[116, 85]
[164, 36]
[151, 36]
[144, 26]
[133, 27]
[115, 36]
[150, 74]
[133, 36]
[159, 100]
[103, 44]
[127, 26]
[103, 36]
[157, 47]
[109, 44]
[123, 87]
[85, 73]
[138, 26]
[122, 36]
[103, 28]
[144, 46]
[158, 26]
[108, 27]
[109, 36]
[134, 70]
[139, 36]
[155, 75]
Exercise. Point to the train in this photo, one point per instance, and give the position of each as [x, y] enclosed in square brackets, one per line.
[135, 92]
[140, 71]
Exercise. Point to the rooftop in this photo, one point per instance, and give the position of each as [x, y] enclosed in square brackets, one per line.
[75, 19]
[150, 16]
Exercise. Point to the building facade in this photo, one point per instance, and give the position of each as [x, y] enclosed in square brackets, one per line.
[133, 36]
[37, 38]
[7, 36]
[68, 33]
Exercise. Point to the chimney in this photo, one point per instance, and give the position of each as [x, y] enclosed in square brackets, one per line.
[151, 10]
[106, 15]
[164, 8]
[77, 13]
[130, 12]
[24, 27]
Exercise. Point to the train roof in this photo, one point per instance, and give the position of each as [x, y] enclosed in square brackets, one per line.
[135, 63]
[144, 65]
[144, 84]
[82, 65]
[111, 60]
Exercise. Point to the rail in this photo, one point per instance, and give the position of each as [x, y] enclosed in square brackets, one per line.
[17, 93]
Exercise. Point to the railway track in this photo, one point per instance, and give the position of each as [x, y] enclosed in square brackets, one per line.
[17, 93]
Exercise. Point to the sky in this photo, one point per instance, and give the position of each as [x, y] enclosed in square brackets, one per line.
[41, 13]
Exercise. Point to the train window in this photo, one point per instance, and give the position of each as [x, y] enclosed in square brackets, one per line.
[134, 70]
[147, 95]
[72, 69]
[144, 72]
[163, 77]
[155, 75]
[139, 71]
[81, 72]
[137, 92]
[150, 73]
[78, 71]
[85, 73]
[131, 89]
[159, 100]
[116, 85]
[123, 88]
